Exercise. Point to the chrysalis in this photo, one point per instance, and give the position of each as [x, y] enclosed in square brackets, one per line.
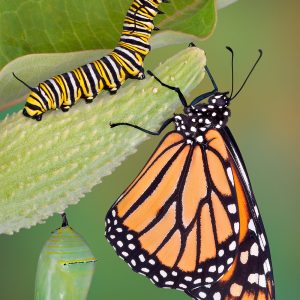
[66, 266]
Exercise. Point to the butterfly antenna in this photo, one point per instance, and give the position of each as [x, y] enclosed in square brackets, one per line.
[31, 88]
[258, 59]
[232, 79]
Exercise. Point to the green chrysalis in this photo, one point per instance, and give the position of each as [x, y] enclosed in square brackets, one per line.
[66, 266]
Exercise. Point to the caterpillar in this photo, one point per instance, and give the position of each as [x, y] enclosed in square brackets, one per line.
[108, 73]
[66, 266]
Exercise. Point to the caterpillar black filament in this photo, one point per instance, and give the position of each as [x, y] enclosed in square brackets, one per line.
[108, 73]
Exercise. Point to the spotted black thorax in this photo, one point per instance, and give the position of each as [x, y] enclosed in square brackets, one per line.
[198, 119]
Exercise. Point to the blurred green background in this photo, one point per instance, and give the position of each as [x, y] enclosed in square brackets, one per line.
[265, 123]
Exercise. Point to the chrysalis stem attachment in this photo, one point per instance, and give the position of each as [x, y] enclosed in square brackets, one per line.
[64, 220]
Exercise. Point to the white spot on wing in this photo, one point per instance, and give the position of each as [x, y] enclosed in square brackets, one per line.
[232, 246]
[254, 250]
[125, 254]
[251, 225]
[220, 269]
[129, 237]
[236, 227]
[217, 296]
[133, 262]
[188, 278]
[232, 208]
[230, 175]
[229, 260]
[212, 269]
[145, 270]
[262, 241]
[262, 281]
[163, 273]
[256, 211]
[142, 258]
[131, 246]
[244, 257]
[253, 278]
[199, 139]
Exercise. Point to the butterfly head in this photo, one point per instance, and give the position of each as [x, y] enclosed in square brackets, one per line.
[219, 99]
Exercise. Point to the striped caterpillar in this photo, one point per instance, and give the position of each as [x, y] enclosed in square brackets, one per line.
[108, 73]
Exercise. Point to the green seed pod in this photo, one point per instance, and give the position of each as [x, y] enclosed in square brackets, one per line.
[66, 266]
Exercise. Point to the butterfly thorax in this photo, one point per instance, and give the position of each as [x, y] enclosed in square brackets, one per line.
[197, 120]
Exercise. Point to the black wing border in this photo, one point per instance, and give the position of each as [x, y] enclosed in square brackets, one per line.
[235, 153]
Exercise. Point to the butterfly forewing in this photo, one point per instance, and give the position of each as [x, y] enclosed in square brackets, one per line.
[177, 223]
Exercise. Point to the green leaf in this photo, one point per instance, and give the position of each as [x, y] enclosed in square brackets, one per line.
[46, 166]
[224, 3]
[196, 17]
[65, 26]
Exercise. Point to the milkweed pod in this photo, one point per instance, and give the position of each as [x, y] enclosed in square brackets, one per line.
[66, 266]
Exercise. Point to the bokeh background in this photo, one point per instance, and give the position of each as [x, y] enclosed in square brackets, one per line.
[265, 123]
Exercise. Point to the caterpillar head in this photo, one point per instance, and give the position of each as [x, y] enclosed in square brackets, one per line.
[34, 105]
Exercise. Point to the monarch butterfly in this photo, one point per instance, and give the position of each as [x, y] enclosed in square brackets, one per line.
[189, 221]
[66, 266]
[108, 73]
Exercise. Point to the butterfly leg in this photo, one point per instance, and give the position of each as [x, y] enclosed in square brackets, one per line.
[163, 126]
[176, 89]
[205, 95]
